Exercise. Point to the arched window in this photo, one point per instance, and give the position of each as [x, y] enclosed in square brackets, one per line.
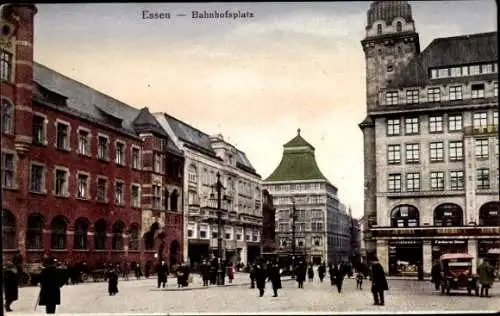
[34, 232]
[7, 116]
[173, 201]
[149, 237]
[405, 216]
[100, 230]
[379, 29]
[448, 215]
[117, 230]
[134, 240]
[489, 214]
[399, 27]
[165, 199]
[192, 174]
[81, 233]
[58, 235]
[8, 230]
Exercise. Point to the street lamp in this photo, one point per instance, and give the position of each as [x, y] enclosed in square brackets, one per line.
[294, 217]
[218, 188]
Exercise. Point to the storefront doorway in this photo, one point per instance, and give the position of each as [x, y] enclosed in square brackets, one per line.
[404, 256]
[440, 247]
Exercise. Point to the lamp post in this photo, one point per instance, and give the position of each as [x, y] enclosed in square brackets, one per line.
[294, 216]
[219, 187]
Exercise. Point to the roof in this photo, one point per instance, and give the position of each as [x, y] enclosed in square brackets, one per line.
[450, 256]
[388, 11]
[297, 163]
[146, 122]
[445, 52]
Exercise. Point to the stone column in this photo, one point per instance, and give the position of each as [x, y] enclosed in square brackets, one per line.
[472, 249]
[427, 256]
[383, 254]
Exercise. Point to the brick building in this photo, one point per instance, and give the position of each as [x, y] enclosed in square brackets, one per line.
[84, 176]
[430, 142]
[268, 222]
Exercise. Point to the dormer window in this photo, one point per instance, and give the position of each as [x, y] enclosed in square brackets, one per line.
[379, 29]
[399, 27]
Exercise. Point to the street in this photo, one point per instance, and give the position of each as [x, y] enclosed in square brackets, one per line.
[143, 297]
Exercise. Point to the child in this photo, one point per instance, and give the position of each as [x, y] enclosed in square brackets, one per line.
[359, 280]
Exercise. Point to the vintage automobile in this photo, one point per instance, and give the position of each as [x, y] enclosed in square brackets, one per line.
[456, 273]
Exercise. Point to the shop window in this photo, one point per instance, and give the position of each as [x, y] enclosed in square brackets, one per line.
[405, 216]
[448, 215]
[489, 214]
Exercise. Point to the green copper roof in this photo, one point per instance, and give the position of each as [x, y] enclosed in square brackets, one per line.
[298, 162]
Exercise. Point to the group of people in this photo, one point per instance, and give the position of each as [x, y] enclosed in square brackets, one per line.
[209, 270]
[261, 271]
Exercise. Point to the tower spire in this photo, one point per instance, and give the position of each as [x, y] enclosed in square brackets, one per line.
[298, 131]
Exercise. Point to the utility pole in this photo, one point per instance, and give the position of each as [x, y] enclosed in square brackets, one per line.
[220, 274]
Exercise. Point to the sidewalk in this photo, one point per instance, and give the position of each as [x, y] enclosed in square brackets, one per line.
[240, 279]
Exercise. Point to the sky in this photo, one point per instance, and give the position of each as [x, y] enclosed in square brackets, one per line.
[255, 80]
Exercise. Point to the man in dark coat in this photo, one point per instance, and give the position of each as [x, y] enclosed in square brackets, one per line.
[332, 272]
[436, 275]
[137, 271]
[420, 271]
[260, 278]
[112, 276]
[379, 282]
[339, 278]
[213, 271]
[252, 276]
[162, 272]
[310, 273]
[275, 278]
[50, 287]
[11, 285]
[300, 274]
[321, 272]
[205, 272]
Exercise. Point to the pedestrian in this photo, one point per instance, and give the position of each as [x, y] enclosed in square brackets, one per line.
[50, 286]
[147, 269]
[213, 271]
[205, 272]
[310, 273]
[339, 279]
[125, 271]
[486, 277]
[420, 271]
[11, 285]
[275, 278]
[180, 275]
[359, 280]
[321, 272]
[379, 282]
[230, 272]
[161, 273]
[112, 276]
[300, 274]
[436, 275]
[332, 272]
[260, 278]
[137, 270]
[252, 276]
[187, 272]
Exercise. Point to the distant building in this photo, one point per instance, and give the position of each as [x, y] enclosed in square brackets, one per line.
[268, 223]
[355, 241]
[430, 141]
[322, 223]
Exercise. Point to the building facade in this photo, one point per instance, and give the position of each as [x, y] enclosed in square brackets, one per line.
[431, 142]
[268, 223]
[205, 156]
[322, 224]
[79, 177]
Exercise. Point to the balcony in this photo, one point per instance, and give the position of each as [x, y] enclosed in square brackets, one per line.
[433, 231]
[480, 131]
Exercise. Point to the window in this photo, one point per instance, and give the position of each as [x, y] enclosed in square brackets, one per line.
[495, 88]
[117, 239]
[192, 175]
[412, 153]
[482, 148]
[412, 96]
[455, 72]
[480, 119]
[83, 182]
[135, 158]
[84, 142]
[101, 190]
[8, 170]
[390, 68]
[8, 230]
[102, 148]
[487, 68]
[394, 154]
[120, 153]
[134, 239]
[190, 233]
[454, 122]
[37, 179]
[413, 182]
[437, 181]
[80, 236]
[156, 196]
[119, 199]
[436, 124]
[61, 185]
[58, 235]
[5, 66]
[448, 215]
[483, 178]
[134, 195]
[443, 73]
[391, 98]
[399, 27]
[457, 180]
[433, 94]
[7, 117]
[157, 163]
[474, 70]
[477, 91]
[411, 125]
[456, 150]
[495, 118]
[317, 240]
[38, 129]
[436, 152]
[100, 234]
[456, 93]
[394, 182]
[465, 70]
[393, 127]
[34, 232]
[62, 137]
[379, 29]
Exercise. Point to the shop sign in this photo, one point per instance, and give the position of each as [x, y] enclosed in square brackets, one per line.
[404, 212]
[405, 242]
[493, 213]
[449, 242]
